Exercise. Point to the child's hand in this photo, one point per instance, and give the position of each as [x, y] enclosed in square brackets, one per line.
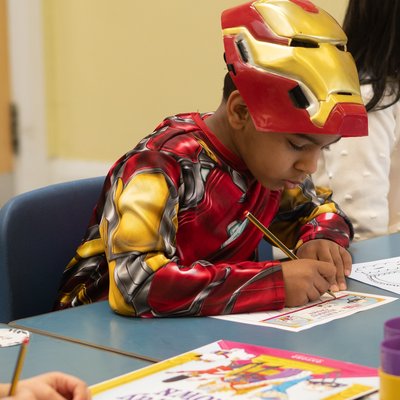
[306, 280]
[51, 386]
[329, 251]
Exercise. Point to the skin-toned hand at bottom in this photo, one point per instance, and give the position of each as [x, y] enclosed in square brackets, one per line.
[49, 386]
[306, 280]
[331, 252]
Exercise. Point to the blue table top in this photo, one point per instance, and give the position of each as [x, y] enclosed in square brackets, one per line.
[46, 354]
[354, 339]
[376, 248]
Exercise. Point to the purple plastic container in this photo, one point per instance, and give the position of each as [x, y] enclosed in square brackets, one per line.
[390, 356]
[391, 328]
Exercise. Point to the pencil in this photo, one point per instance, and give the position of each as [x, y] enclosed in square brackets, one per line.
[275, 240]
[18, 366]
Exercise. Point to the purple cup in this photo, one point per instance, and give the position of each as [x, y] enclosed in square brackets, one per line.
[390, 356]
[391, 328]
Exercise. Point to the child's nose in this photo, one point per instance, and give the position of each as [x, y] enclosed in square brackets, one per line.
[308, 163]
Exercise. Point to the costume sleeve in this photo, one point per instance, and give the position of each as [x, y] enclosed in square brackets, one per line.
[138, 228]
[308, 213]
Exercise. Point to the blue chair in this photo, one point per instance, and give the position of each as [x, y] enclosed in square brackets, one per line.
[39, 233]
[265, 251]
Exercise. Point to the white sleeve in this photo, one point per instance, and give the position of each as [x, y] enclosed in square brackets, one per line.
[357, 170]
[394, 192]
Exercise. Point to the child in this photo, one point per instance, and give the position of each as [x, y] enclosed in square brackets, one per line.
[169, 236]
[49, 386]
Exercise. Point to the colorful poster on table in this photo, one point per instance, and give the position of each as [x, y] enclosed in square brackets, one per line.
[226, 370]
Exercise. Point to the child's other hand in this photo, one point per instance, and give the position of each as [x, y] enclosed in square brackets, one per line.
[51, 386]
[329, 251]
[306, 280]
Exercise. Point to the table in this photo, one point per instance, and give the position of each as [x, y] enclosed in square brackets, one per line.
[354, 339]
[376, 248]
[46, 354]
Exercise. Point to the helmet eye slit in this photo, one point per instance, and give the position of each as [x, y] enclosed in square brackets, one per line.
[304, 43]
[298, 97]
[243, 51]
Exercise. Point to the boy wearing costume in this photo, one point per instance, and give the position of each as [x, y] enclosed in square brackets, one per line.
[169, 236]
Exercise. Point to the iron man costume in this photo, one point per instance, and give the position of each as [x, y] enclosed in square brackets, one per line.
[171, 234]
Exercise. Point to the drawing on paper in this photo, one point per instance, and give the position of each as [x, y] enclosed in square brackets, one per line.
[382, 273]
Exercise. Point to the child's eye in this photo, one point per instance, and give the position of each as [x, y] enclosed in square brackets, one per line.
[295, 146]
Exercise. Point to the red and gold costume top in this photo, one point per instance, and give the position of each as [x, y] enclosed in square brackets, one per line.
[168, 236]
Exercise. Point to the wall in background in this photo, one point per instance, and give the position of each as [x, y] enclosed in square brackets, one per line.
[5, 98]
[114, 70]
[6, 155]
[91, 78]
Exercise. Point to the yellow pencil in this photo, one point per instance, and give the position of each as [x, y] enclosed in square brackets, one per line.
[275, 240]
[18, 366]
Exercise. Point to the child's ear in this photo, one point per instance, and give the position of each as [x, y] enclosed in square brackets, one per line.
[237, 111]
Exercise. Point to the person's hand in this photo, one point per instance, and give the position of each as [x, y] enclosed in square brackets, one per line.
[51, 386]
[306, 280]
[329, 251]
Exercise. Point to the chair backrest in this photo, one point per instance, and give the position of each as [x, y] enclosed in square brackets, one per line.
[265, 251]
[39, 233]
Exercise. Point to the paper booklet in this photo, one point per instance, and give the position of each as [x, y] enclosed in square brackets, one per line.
[225, 370]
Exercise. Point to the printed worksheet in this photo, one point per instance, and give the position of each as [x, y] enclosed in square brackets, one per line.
[384, 274]
[231, 370]
[315, 313]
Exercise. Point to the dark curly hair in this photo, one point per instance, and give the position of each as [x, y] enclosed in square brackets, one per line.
[229, 87]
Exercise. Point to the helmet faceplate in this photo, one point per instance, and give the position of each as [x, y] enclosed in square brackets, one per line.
[288, 60]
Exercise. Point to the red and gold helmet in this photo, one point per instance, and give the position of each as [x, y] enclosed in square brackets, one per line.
[288, 59]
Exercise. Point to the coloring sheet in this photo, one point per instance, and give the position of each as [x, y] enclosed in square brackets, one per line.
[231, 370]
[315, 313]
[384, 274]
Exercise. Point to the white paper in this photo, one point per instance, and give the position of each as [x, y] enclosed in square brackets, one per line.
[12, 337]
[384, 274]
[315, 313]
